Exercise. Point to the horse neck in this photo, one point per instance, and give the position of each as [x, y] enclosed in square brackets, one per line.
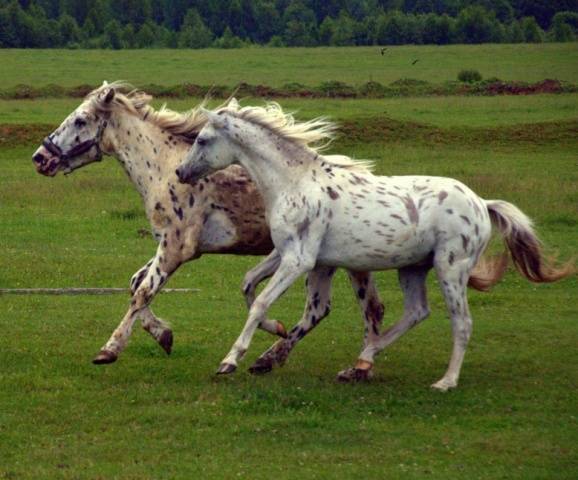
[148, 154]
[273, 163]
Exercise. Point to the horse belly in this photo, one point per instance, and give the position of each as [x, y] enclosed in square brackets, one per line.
[369, 248]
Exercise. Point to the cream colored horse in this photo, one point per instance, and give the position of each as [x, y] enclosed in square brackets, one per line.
[223, 213]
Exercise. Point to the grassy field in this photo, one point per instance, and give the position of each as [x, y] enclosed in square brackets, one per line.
[515, 414]
[439, 111]
[276, 67]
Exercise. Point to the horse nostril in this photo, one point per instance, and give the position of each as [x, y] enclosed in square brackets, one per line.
[178, 172]
[39, 158]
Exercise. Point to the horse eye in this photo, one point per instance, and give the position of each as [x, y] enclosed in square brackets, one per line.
[201, 142]
[79, 123]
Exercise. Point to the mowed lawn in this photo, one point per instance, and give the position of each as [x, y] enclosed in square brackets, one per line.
[514, 415]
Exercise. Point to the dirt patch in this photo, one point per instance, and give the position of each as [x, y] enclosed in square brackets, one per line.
[381, 130]
[515, 88]
[12, 135]
[405, 87]
[388, 130]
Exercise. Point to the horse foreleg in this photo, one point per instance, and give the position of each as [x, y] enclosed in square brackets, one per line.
[252, 279]
[257, 274]
[317, 307]
[289, 270]
[149, 282]
[157, 328]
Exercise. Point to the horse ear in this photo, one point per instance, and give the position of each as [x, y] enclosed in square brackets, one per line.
[213, 118]
[233, 103]
[109, 95]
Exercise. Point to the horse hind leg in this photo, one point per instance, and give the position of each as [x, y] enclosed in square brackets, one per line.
[412, 281]
[453, 278]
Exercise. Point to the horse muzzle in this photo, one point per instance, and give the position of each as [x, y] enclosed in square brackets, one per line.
[191, 174]
[45, 163]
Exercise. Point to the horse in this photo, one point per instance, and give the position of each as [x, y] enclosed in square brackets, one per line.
[224, 213]
[347, 217]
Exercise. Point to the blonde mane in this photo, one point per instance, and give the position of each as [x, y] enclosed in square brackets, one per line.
[185, 125]
[315, 134]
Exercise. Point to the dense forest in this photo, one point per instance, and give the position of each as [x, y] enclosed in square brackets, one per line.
[120, 24]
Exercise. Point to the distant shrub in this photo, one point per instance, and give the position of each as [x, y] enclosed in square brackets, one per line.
[469, 76]
[372, 89]
[337, 89]
[409, 82]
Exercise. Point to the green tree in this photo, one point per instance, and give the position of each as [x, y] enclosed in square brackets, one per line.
[128, 36]
[69, 30]
[194, 33]
[113, 35]
[99, 14]
[300, 25]
[515, 33]
[392, 29]
[343, 31]
[564, 27]
[532, 31]
[228, 40]
[474, 25]
[436, 29]
[145, 37]
[326, 31]
[267, 21]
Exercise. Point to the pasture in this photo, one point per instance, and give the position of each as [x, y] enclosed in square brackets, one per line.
[515, 413]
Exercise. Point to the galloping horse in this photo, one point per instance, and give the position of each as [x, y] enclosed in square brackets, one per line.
[347, 217]
[223, 213]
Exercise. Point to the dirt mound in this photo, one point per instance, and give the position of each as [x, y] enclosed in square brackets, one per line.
[19, 134]
[516, 88]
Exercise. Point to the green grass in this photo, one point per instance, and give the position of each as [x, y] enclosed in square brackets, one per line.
[515, 414]
[438, 111]
[277, 67]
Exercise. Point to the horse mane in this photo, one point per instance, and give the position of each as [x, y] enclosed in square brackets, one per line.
[185, 125]
[315, 134]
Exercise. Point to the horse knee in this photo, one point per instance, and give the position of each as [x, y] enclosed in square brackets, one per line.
[247, 287]
[137, 279]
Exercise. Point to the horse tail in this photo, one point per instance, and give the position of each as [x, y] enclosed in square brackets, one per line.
[488, 271]
[524, 245]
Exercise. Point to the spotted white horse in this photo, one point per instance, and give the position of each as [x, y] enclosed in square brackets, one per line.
[222, 214]
[338, 214]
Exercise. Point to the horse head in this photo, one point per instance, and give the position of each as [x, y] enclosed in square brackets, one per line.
[77, 141]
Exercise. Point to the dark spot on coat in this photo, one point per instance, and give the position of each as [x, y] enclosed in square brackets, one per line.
[332, 193]
[442, 196]
[465, 241]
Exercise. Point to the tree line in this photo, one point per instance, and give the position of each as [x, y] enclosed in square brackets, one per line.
[118, 24]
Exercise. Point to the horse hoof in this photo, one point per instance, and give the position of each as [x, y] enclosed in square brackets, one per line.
[226, 368]
[166, 341]
[104, 357]
[261, 366]
[354, 375]
[443, 385]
